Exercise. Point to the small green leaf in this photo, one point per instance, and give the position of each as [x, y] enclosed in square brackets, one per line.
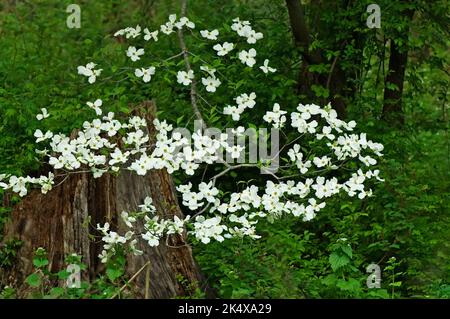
[395, 284]
[34, 280]
[338, 261]
[347, 250]
[56, 292]
[63, 274]
[40, 262]
[113, 273]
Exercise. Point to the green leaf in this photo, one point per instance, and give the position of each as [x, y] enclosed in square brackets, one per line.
[351, 285]
[320, 91]
[392, 86]
[338, 261]
[63, 274]
[40, 262]
[395, 284]
[114, 273]
[318, 68]
[56, 292]
[347, 249]
[34, 280]
[378, 293]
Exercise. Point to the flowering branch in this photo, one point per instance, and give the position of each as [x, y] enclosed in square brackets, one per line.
[193, 84]
[106, 144]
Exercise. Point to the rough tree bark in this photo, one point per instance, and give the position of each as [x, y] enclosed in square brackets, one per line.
[62, 220]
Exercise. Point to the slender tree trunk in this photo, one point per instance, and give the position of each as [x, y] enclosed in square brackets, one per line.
[393, 88]
[301, 32]
[334, 82]
[64, 220]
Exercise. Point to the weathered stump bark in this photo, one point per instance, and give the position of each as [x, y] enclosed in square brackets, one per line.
[61, 221]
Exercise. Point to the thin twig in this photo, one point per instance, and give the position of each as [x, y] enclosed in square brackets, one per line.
[147, 283]
[230, 168]
[173, 57]
[331, 71]
[131, 279]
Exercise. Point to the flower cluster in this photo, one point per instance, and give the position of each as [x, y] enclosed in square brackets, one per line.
[112, 240]
[129, 32]
[155, 228]
[244, 29]
[19, 184]
[167, 28]
[243, 102]
[276, 116]
[211, 82]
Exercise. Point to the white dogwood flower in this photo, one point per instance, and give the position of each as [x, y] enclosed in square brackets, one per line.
[146, 74]
[127, 219]
[184, 21]
[233, 111]
[43, 115]
[129, 32]
[253, 36]
[184, 77]
[41, 136]
[248, 57]
[89, 71]
[150, 35]
[210, 35]
[134, 54]
[96, 106]
[266, 68]
[223, 49]
[211, 83]
[168, 27]
[276, 116]
[151, 239]
[207, 69]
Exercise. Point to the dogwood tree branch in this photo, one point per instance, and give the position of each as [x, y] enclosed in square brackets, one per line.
[187, 64]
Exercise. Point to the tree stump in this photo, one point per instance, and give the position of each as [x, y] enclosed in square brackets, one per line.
[61, 221]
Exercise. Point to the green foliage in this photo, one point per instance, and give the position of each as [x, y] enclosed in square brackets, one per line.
[8, 253]
[46, 284]
[192, 288]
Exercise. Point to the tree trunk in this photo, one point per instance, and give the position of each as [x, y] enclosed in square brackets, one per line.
[393, 88]
[334, 82]
[301, 32]
[61, 221]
